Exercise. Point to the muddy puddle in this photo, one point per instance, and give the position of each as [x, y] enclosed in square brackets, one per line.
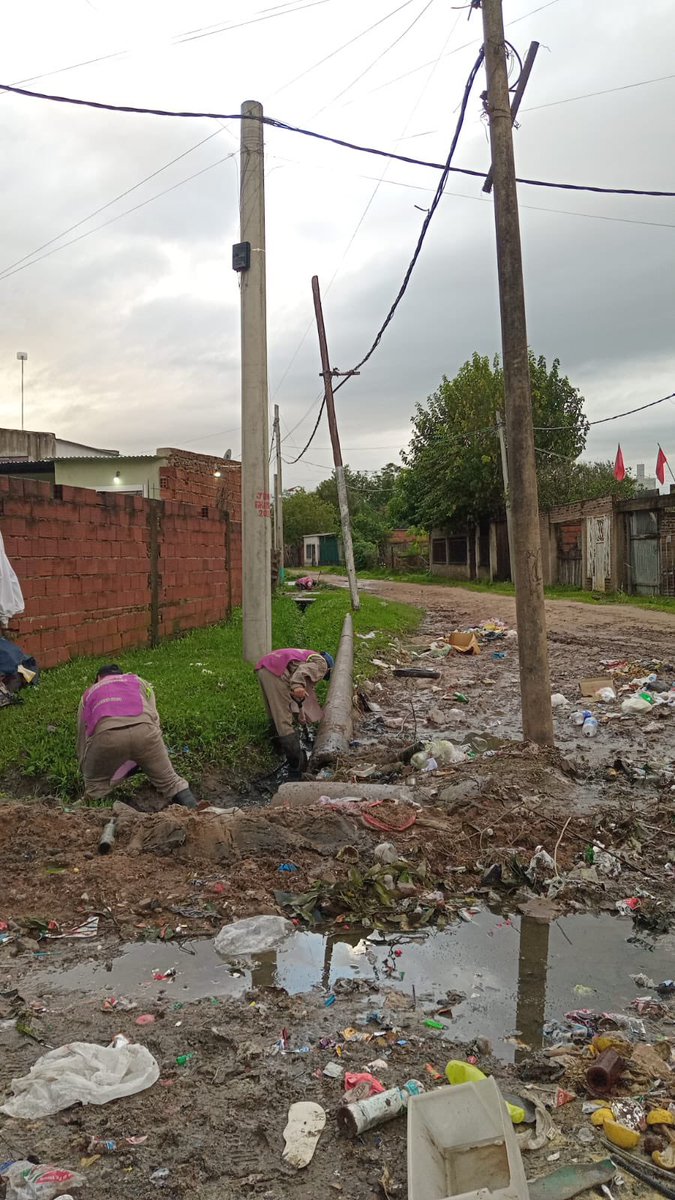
[515, 973]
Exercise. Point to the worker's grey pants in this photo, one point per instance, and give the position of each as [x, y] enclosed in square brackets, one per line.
[108, 749]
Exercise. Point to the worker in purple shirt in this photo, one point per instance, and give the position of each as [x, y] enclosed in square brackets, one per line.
[119, 734]
[288, 679]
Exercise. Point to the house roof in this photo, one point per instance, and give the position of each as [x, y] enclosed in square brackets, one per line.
[97, 451]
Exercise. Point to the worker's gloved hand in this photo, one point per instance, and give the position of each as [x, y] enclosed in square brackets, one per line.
[299, 694]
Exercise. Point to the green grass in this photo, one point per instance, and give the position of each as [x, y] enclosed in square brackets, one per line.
[209, 700]
[655, 603]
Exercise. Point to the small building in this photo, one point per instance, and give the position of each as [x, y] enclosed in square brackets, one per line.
[322, 550]
[26, 445]
[168, 474]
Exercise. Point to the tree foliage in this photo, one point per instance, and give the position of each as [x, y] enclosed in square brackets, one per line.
[453, 465]
[307, 512]
[369, 494]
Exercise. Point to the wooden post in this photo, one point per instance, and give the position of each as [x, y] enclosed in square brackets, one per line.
[530, 612]
[337, 452]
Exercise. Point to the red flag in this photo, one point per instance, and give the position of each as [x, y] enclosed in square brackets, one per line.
[619, 466]
[661, 466]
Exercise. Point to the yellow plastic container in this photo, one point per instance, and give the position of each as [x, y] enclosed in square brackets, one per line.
[619, 1135]
[463, 1072]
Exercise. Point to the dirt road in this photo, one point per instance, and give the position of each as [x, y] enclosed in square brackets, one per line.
[619, 627]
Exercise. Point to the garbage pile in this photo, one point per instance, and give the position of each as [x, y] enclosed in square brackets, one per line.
[624, 692]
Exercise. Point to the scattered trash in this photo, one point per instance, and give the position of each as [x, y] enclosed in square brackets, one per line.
[589, 688]
[458, 1072]
[183, 1059]
[465, 643]
[559, 701]
[333, 1070]
[88, 929]
[81, 1073]
[306, 1122]
[287, 867]
[160, 1175]
[145, 1019]
[161, 976]
[386, 853]
[355, 1119]
[567, 1182]
[361, 1085]
[416, 673]
[459, 1143]
[251, 935]
[30, 1181]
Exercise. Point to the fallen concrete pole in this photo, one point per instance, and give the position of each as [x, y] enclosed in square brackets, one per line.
[298, 795]
[335, 730]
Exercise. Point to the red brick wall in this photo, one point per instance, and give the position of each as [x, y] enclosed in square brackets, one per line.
[667, 550]
[101, 572]
[190, 478]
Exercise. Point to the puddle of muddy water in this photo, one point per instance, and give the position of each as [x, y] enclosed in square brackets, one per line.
[516, 973]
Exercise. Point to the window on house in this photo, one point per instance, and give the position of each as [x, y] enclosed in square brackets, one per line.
[205, 511]
[163, 481]
[439, 554]
[457, 551]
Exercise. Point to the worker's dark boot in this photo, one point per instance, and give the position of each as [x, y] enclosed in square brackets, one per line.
[295, 755]
[184, 798]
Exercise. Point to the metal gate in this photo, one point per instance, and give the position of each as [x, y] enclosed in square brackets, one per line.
[645, 570]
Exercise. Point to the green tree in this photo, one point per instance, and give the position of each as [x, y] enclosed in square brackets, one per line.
[453, 465]
[369, 494]
[587, 481]
[306, 512]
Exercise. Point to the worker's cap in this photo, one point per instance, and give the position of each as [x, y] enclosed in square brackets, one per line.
[111, 669]
[330, 661]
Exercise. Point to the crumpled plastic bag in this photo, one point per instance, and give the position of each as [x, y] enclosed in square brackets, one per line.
[27, 1181]
[252, 935]
[11, 596]
[81, 1073]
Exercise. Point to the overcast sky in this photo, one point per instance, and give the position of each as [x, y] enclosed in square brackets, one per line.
[132, 332]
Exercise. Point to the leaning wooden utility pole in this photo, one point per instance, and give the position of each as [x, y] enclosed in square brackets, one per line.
[249, 260]
[530, 613]
[278, 495]
[337, 452]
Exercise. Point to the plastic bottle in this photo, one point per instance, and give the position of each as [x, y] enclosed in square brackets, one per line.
[578, 717]
[590, 727]
[354, 1119]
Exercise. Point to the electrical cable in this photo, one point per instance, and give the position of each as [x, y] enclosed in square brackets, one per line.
[616, 417]
[418, 248]
[376, 61]
[324, 137]
[338, 50]
[624, 87]
[102, 207]
[178, 39]
[7, 274]
[427, 220]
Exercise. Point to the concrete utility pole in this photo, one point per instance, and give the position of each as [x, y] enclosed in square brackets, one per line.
[278, 495]
[337, 452]
[255, 495]
[507, 493]
[535, 683]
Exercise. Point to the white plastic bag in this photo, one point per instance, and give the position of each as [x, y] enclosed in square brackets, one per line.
[559, 701]
[635, 704]
[81, 1073]
[605, 695]
[11, 597]
[28, 1181]
[252, 935]
[446, 753]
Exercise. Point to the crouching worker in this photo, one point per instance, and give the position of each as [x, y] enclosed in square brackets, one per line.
[119, 734]
[288, 679]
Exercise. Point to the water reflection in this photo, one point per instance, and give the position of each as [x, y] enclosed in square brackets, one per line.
[515, 974]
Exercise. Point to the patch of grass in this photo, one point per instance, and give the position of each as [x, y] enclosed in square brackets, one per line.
[212, 713]
[559, 592]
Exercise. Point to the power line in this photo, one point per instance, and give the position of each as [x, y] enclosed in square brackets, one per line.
[338, 50]
[418, 248]
[624, 87]
[57, 237]
[615, 417]
[426, 223]
[378, 59]
[185, 36]
[117, 217]
[324, 137]
[311, 436]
